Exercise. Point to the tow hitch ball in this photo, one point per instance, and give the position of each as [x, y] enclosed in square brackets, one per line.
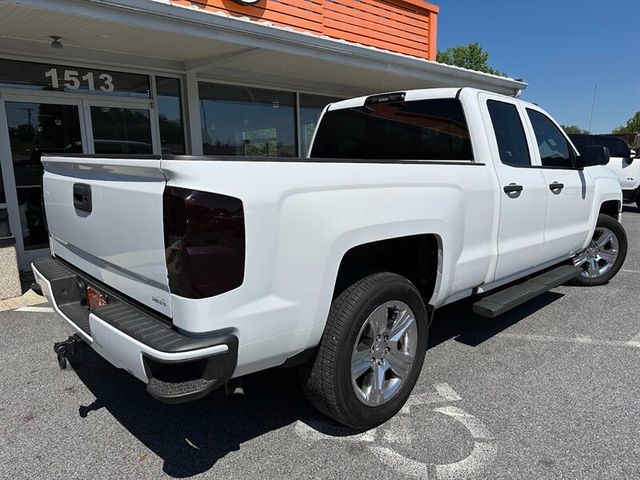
[67, 347]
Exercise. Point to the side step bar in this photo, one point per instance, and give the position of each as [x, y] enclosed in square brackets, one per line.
[498, 303]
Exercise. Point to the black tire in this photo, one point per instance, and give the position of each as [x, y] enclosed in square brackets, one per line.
[610, 223]
[327, 377]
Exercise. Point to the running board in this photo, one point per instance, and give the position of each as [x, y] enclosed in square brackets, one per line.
[498, 303]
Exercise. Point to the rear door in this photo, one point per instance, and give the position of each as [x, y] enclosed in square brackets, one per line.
[569, 191]
[523, 194]
[105, 216]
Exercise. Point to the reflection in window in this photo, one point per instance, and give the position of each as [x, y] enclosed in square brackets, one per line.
[310, 109]
[3, 199]
[34, 129]
[512, 142]
[553, 146]
[5, 231]
[170, 115]
[247, 121]
[121, 130]
[416, 130]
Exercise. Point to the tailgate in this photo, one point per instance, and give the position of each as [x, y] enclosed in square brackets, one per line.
[114, 231]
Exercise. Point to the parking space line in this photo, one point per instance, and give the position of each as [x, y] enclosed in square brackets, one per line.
[629, 271]
[446, 392]
[633, 343]
[35, 309]
[477, 429]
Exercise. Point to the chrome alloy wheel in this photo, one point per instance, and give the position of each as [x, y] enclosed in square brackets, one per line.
[600, 255]
[384, 353]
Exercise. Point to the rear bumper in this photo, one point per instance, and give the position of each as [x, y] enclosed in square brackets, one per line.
[176, 367]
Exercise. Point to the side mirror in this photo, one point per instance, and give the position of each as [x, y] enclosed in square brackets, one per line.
[591, 155]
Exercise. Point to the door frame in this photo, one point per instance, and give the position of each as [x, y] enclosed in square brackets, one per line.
[83, 102]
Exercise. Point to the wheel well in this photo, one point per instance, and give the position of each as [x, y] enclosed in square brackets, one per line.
[611, 208]
[414, 257]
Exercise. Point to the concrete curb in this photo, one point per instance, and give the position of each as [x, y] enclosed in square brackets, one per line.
[26, 300]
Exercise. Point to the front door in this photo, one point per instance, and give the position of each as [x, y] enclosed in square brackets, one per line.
[34, 128]
[523, 192]
[569, 191]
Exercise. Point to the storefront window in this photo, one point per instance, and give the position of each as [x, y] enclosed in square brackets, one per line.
[247, 121]
[5, 231]
[310, 109]
[3, 199]
[170, 115]
[64, 78]
[121, 130]
[34, 129]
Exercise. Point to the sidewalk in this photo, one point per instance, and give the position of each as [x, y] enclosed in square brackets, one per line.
[28, 299]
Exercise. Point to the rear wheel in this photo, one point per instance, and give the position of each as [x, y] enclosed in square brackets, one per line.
[604, 256]
[371, 352]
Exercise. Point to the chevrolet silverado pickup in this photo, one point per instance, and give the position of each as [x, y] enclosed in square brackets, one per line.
[191, 272]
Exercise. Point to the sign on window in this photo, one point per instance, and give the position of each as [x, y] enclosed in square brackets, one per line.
[39, 76]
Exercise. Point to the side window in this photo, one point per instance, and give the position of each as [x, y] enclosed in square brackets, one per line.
[553, 146]
[512, 141]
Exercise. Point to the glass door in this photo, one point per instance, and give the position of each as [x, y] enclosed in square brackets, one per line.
[35, 127]
[31, 125]
[120, 129]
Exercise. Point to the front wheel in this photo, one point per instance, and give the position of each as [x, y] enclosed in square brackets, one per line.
[371, 352]
[604, 256]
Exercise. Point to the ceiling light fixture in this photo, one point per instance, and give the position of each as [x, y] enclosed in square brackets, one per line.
[55, 41]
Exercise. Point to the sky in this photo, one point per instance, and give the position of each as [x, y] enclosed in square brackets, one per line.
[561, 48]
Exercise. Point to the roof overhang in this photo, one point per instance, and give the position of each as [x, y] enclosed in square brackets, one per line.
[153, 34]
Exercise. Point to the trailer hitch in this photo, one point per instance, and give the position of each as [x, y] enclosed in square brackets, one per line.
[67, 347]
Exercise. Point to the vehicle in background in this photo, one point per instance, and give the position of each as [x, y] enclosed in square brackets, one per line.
[191, 271]
[622, 160]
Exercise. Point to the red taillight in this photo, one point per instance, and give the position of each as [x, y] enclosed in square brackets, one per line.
[204, 241]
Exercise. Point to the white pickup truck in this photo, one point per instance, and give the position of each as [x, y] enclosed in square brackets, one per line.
[191, 271]
[622, 160]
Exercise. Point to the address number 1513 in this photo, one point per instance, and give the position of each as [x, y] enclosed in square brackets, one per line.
[72, 80]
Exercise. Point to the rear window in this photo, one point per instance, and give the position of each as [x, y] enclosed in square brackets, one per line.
[617, 146]
[418, 130]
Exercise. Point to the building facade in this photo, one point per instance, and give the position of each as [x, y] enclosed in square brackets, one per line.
[215, 77]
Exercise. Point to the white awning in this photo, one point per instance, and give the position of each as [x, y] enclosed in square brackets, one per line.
[153, 34]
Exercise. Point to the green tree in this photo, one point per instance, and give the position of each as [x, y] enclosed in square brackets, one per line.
[471, 56]
[632, 125]
[573, 129]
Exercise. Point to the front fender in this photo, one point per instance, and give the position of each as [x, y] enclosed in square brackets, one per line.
[606, 188]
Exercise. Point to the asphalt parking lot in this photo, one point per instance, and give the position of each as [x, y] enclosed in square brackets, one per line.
[550, 390]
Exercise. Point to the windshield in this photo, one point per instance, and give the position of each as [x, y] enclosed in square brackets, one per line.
[617, 147]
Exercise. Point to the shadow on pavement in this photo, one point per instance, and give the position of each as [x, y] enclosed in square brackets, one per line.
[458, 321]
[630, 209]
[192, 437]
